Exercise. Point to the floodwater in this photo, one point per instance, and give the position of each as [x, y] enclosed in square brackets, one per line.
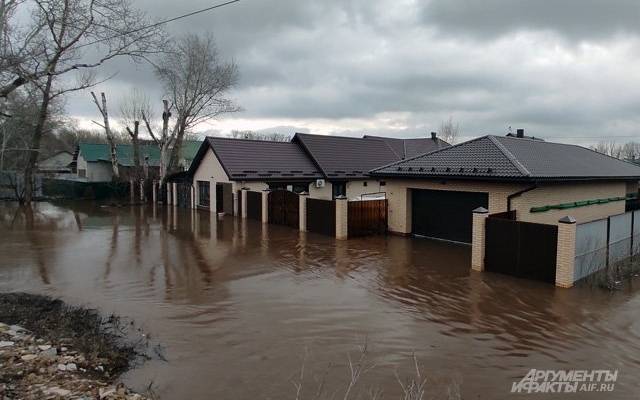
[239, 306]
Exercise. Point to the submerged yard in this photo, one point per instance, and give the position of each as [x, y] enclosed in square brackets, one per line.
[238, 307]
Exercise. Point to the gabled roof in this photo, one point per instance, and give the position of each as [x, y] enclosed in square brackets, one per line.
[190, 149]
[96, 152]
[341, 157]
[407, 148]
[507, 158]
[245, 159]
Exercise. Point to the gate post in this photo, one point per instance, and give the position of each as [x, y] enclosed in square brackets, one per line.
[480, 215]
[236, 200]
[174, 199]
[213, 192]
[342, 218]
[168, 199]
[265, 206]
[132, 191]
[566, 256]
[302, 211]
[192, 202]
[243, 211]
[154, 192]
[142, 199]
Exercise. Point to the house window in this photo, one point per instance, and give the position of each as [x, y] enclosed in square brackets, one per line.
[339, 189]
[203, 194]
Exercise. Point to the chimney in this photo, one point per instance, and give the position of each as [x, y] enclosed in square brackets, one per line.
[520, 133]
[434, 136]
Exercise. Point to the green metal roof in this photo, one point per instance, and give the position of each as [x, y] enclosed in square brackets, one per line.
[95, 152]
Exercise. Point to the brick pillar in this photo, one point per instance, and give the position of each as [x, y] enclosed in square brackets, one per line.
[154, 192]
[168, 194]
[142, 199]
[566, 257]
[212, 197]
[303, 211]
[243, 212]
[265, 206]
[480, 215]
[342, 218]
[193, 197]
[174, 198]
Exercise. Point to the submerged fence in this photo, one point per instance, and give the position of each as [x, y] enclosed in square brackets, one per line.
[606, 242]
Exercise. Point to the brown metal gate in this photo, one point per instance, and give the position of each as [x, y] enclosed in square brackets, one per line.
[254, 205]
[522, 249]
[184, 195]
[239, 203]
[284, 208]
[321, 216]
[367, 217]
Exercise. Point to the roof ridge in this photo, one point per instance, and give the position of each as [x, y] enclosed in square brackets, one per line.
[429, 153]
[523, 170]
[246, 140]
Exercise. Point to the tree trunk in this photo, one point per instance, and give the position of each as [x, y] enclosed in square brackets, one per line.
[174, 160]
[34, 150]
[136, 149]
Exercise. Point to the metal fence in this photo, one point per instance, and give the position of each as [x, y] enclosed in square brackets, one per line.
[606, 242]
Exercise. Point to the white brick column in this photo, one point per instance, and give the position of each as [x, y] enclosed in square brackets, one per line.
[174, 199]
[142, 199]
[243, 211]
[566, 257]
[303, 211]
[265, 206]
[236, 211]
[194, 203]
[480, 215]
[212, 196]
[342, 218]
[168, 194]
[154, 192]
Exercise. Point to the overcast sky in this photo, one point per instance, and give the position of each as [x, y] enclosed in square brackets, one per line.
[567, 70]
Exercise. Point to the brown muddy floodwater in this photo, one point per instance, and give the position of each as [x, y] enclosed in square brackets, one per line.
[237, 305]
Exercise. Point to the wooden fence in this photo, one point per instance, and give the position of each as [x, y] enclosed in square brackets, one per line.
[367, 217]
[321, 216]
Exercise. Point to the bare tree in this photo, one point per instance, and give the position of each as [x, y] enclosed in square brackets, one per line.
[196, 80]
[609, 148]
[132, 108]
[70, 36]
[273, 137]
[102, 107]
[165, 140]
[449, 131]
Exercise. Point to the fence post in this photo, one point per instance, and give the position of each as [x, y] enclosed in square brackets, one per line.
[302, 209]
[480, 215]
[132, 191]
[265, 206]
[174, 198]
[213, 191]
[236, 200]
[566, 257]
[342, 218]
[154, 192]
[243, 211]
[168, 200]
[142, 191]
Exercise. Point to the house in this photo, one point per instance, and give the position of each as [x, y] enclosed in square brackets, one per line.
[93, 160]
[325, 167]
[58, 163]
[235, 164]
[433, 195]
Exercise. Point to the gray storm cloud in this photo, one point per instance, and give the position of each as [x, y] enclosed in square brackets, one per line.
[401, 67]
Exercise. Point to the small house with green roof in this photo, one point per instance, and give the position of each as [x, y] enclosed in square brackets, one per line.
[93, 160]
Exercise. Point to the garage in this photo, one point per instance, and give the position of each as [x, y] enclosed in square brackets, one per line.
[445, 214]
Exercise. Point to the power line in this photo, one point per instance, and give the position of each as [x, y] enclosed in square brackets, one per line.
[163, 22]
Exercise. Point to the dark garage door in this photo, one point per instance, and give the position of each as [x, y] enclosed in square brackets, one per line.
[445, 214]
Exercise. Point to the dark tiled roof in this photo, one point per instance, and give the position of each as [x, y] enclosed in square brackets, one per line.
[507, 158]
[346, 157]
[350, 158]
[407, 148]
[244, 159]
